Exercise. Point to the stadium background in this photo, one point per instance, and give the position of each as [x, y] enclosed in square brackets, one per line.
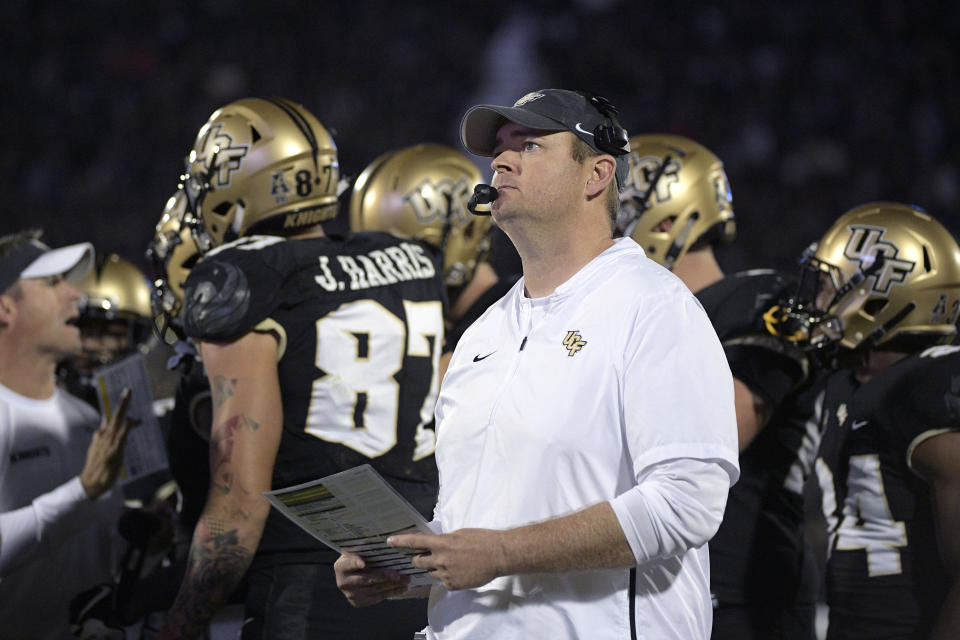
[813, 107]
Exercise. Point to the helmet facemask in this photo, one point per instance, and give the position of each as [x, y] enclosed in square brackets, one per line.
[114, 314]
[173, 251]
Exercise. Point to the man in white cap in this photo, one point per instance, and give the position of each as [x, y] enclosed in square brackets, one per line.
[57, 513]
[586, 428]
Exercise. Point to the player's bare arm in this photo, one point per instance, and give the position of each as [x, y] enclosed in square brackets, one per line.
[588, 539]
[752, 413]
[934, 460]
[246, 432]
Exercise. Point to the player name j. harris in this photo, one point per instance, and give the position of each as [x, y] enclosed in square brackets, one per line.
[376, 268]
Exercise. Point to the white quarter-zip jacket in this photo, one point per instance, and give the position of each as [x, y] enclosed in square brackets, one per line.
[612, 388]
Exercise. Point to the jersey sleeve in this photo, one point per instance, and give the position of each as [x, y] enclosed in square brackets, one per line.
[918, 397]
[742, 309]
[230, 292]
[770, 367]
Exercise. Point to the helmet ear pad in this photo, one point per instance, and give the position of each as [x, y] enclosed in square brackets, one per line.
[422, 192]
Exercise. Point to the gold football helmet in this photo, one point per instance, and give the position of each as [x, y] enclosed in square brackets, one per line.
[421, 192]
[115, 316]
[261, 165]
[676, 194]
[173, 252]
[884, 275]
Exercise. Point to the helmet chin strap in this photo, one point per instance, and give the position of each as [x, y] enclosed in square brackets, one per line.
[877, 334]
[681, 241]
[856, 279]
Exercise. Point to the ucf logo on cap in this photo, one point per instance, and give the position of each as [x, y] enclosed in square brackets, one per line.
[530, 97]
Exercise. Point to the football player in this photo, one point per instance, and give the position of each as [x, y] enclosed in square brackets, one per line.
[321, 353]
[114, 321]
[885, 293]
[678, 207]
[174, 251]
[421, 192]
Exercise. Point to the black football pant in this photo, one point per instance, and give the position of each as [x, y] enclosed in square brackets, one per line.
[759, 622]
[302, 602]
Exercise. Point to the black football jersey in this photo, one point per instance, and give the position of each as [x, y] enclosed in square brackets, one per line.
[759, 554]
[360, 327]
[884, 577]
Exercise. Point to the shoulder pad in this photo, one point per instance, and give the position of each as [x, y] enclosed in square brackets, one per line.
[234, 288]
[737, 304]
[216, 300]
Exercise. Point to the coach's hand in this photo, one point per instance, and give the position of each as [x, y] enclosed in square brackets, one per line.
[463, 559]
[105, 453]
[363, 586]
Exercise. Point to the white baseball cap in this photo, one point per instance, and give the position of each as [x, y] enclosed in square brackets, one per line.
[34, 259]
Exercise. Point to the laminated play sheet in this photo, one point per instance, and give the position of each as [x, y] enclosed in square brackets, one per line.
[145, 452]
[355, 511]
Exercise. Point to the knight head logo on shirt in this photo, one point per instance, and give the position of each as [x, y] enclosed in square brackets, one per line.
[574, 342]
[865, 245]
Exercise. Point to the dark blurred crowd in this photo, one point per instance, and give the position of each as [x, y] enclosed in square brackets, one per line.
[813, 107]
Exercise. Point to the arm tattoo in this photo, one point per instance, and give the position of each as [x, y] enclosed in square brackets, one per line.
[216, 566]
[222, 389]
[221, 450]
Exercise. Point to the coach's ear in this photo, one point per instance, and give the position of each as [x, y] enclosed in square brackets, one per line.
[8, 310]
[603, 170]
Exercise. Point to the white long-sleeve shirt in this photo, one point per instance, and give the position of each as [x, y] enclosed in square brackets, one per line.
[54, 540]
[613, 388]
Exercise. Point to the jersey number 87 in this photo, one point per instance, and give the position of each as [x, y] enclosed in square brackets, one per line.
[360, 347]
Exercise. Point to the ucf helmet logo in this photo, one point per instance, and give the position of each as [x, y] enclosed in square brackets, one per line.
[216, 146]
[866, 244]
[438, 200]
[643, 170]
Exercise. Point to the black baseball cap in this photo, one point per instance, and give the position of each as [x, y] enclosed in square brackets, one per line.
[34, 259]
[547, 110]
